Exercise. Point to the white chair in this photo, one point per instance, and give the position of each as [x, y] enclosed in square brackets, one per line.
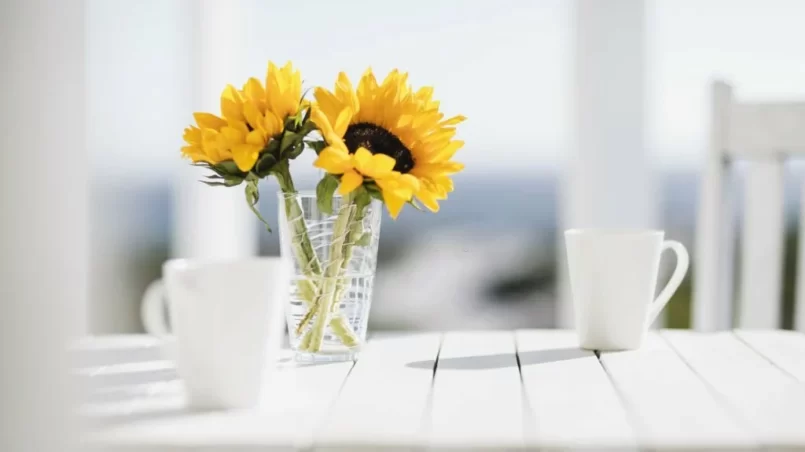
[763, 135]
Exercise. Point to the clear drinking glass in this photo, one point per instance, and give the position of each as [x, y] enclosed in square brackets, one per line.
[335, 257]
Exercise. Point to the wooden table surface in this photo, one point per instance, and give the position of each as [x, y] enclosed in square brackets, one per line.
[530, 390]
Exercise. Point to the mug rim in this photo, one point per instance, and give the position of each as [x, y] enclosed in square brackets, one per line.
[192, 263]
[613, 231]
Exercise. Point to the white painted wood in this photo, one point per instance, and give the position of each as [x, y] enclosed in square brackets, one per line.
[294, 407]
[45, 231]
[477, 396]
[670, 406]
[762, 246]
[799, 300]
[768, 401]
[573, 402]
[386, 397]
[786, 349]
[712, 290]
[702, 392]
[211, 222]
[767, 129]
[608, 168]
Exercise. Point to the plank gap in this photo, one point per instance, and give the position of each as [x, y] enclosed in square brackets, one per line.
[628, 408]
[529, 415]
[426, 415]
[758, 352]
[323, 421]
[732, 410]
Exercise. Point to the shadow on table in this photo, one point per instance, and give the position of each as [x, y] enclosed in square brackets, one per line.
[502, 360]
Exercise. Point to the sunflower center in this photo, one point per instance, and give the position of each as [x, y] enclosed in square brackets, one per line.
[378, 140]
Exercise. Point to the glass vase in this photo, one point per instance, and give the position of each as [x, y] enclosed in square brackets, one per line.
[335, 257]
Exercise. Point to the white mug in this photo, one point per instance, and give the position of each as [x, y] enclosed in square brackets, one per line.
[613, 277]
[227, 322]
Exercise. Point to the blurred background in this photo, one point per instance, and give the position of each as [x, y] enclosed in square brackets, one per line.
[565, 100]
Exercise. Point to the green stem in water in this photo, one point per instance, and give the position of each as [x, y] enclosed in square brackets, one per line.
[306, 257]
[332, 273]
[353, 235]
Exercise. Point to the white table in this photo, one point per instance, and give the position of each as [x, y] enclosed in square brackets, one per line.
[528, 390]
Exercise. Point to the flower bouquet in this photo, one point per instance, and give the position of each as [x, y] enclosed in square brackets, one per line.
[382, 143]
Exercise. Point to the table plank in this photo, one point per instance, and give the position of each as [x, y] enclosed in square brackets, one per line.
[770, 401]
[572, 398]
[668, 404]
[786, 349]
[297, 400]
[384, 400]
[477, 397]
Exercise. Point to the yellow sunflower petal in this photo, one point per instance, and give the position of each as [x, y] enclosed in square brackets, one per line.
[256, 138]
[232, 104]
[342, 122]
[321, 120]
[362, 158]
[428, 199]
[328, 103]
[410, 182]
[393, 203]
[272, 124]
[252, 115]
[233, 136]
[447, 152]
[349, 182]
[245, 155]
[453, 121]
[208, 121]
[254, 89]
[196, 154]
[379, 166]
[345, 93]
[192, 135]
[432, 169]
[333, 161]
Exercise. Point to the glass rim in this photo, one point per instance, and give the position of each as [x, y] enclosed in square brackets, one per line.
[301, 194]
[613, 231]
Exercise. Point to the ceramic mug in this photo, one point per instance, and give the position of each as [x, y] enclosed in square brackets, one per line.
[613, 278]
[227, 324]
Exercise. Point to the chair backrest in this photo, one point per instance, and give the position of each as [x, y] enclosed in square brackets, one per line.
[763, 135]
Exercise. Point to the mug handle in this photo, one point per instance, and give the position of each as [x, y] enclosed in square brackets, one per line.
[152, 310]
[682, 262]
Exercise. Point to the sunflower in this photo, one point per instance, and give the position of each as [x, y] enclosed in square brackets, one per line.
[251, 117]
[388, 121]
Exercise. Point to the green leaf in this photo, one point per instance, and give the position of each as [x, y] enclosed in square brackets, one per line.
[252, 198]
[324, 193]
[228, 167]
[365, 239]
[214, 184]
[362, 198]
[296, 151]
[225, 181]
[317, 146]
[287, 141]
[265, 164]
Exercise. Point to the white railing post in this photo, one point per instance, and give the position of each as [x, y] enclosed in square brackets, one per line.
[607, 181]
[213, 222]
[43, 232]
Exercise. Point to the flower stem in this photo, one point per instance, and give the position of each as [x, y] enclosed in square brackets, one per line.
[306, 256]
[354, 231]
[333, 272]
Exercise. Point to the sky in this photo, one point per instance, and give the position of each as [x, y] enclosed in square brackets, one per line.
[506, 65]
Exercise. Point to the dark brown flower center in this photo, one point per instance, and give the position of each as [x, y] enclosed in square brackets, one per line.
[378, 140]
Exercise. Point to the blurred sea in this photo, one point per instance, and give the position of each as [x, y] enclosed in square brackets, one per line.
[486, 260]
